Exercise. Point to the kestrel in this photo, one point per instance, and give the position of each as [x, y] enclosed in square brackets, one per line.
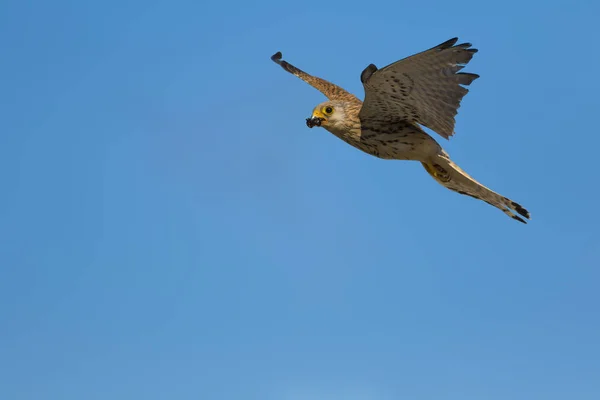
[423, 89]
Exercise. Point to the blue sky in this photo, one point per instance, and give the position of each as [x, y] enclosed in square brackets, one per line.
[172, 230]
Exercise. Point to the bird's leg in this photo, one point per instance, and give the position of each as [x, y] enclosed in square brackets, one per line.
[436, 171]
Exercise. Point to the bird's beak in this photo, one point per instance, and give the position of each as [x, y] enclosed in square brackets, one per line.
[316, 120]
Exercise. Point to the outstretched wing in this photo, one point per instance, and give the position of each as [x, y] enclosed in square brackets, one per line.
[333, 92]
[424, 88]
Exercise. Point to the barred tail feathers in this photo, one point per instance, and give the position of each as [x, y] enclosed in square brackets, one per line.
[451, 176]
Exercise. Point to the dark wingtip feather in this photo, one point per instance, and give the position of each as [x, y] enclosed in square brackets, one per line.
[466, 78]
[367, 72]
[277, 57]
[447, 44]
[451, 44]
[277, 60]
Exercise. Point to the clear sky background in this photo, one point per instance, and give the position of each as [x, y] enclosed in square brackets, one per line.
[171, 229]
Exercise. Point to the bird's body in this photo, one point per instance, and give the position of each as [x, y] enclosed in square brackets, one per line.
[423, 89]
[401, 140]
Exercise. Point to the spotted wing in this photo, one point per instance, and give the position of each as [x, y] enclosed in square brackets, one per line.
[331, 91]
[424, 88]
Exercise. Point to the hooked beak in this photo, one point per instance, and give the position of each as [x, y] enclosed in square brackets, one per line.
[316, 120]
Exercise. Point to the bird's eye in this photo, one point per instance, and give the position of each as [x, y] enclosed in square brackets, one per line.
[328, 110]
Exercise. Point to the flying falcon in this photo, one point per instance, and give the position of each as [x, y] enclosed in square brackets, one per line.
[423, 89]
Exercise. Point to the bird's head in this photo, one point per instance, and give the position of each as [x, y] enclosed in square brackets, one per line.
[330, 115]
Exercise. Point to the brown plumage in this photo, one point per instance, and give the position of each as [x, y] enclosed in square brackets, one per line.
[423, 89]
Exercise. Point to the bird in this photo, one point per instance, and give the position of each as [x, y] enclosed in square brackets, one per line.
[421, 90]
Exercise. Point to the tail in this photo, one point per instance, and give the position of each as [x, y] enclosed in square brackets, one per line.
[450, 175]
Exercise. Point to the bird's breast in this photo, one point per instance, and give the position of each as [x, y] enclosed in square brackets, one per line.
[388, 142]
